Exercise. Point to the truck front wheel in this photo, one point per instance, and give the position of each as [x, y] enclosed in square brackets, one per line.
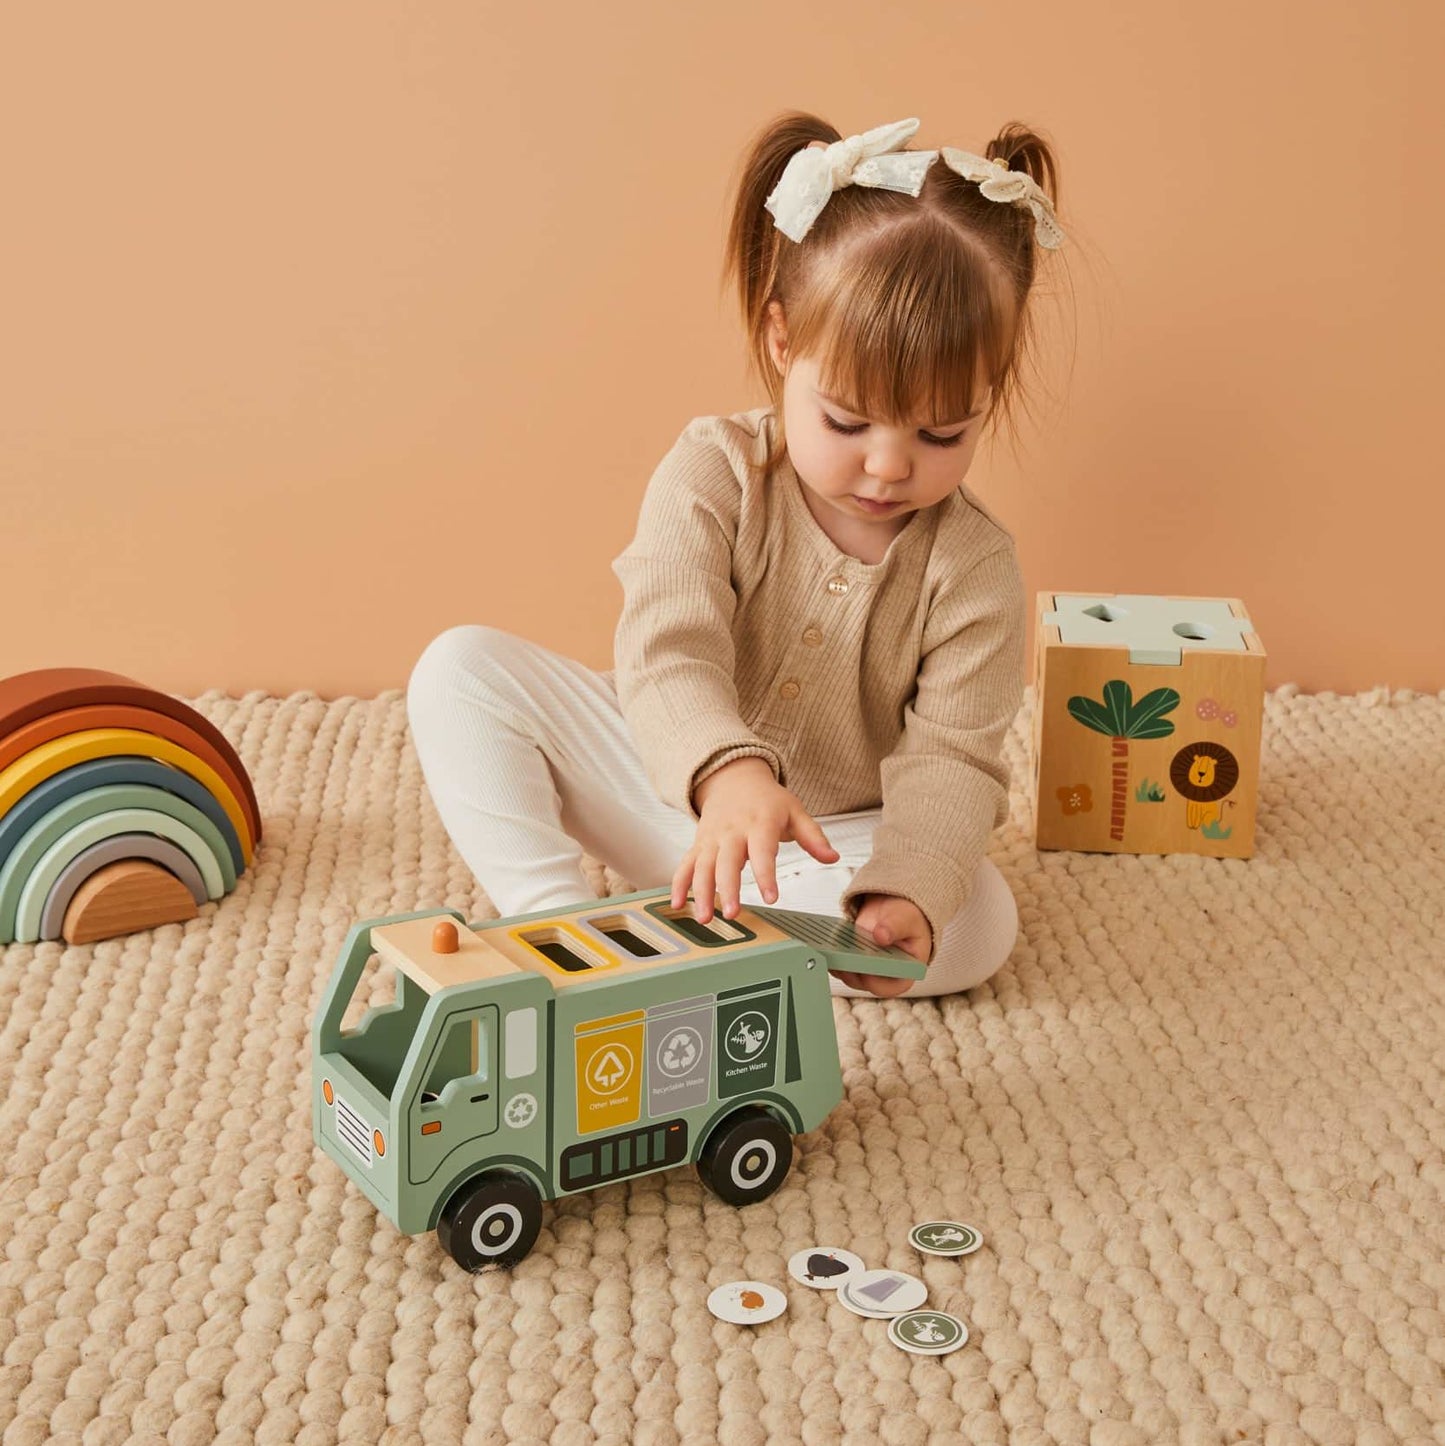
[491, 1220]
[746, 1157]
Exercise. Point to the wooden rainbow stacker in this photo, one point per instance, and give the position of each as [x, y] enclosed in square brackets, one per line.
[121, 808]
[1148, 712]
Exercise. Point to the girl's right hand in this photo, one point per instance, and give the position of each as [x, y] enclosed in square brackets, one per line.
[744, 813]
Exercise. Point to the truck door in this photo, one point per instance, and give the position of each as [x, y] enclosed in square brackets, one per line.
[452, 1100]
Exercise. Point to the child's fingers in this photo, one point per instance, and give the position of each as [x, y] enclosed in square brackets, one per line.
[681, 881]
[763, 851]
[882, 986]
[730, 859]
[703, 887]
[809, 833]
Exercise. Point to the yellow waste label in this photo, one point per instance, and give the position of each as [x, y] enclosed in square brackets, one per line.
[609, 1077]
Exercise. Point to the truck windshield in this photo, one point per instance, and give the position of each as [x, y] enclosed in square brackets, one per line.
[379, 1021]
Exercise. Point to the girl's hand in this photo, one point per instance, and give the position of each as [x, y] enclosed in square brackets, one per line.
[891, 920]
[744, 812]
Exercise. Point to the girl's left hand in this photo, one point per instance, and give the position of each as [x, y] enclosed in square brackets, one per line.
[891, 920]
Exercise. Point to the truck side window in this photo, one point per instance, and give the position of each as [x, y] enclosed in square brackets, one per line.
[519, 1053]
[462, 1053]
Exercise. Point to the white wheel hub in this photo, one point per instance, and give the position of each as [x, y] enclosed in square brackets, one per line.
[753, 1163]
[498, 1228]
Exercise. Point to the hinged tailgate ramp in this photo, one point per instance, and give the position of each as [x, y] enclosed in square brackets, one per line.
[843, 945]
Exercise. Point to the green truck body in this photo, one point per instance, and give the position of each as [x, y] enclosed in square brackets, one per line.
[552, 1053]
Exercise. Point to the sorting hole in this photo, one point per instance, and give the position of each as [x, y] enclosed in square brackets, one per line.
[716, 929]
[627, 934]
[1105, 613]
[1195, 632]
[564, 951]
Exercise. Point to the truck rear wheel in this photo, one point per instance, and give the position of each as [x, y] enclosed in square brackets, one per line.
[491, 1220]
[746, 1157]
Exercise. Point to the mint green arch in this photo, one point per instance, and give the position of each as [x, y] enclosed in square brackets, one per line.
[51, 844]
[29, 909]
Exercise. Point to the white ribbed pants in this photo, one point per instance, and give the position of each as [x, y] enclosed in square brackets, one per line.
[529, 761]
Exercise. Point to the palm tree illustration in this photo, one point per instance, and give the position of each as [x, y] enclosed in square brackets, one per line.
[1119, 717]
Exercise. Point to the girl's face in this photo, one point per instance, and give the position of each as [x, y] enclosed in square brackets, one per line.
[866, 476]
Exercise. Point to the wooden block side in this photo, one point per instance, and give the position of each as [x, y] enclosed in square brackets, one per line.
[1096, 792]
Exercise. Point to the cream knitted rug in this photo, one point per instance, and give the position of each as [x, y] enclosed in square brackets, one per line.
[1199, 1118]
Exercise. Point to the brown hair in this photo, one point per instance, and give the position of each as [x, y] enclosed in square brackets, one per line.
[908, 302]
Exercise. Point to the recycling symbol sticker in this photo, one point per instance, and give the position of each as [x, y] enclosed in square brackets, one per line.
[679, 1051]
[521, 1110]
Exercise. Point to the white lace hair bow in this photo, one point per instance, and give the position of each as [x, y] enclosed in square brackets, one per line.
[874, 159]
[871, 159]
[998, 183]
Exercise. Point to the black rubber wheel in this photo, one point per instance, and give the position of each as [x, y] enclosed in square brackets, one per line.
[491, 1220]
[747, 1156]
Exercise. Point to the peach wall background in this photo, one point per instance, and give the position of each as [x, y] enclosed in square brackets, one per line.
[325, 326]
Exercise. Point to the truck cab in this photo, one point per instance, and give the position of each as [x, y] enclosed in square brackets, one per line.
[520, 1059]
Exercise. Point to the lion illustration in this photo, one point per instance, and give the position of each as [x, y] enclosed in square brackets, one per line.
[1203, 773]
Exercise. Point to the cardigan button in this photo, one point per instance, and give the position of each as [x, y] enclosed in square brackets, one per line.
[789, 690]
[812, 636]
[838, 585]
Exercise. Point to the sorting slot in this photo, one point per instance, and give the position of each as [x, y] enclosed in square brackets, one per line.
[560, 948]
[716, 931]
[628, 933]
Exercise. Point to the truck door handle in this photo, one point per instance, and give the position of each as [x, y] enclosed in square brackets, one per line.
[477, 1099]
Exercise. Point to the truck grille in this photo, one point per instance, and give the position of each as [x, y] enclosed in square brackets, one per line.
[352, 1130]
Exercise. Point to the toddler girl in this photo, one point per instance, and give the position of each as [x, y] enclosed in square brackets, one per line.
[820, 647]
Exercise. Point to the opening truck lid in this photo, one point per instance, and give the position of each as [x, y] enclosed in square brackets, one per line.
[843, 945]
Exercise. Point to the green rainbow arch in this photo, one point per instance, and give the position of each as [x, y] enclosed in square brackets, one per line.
[45, 851]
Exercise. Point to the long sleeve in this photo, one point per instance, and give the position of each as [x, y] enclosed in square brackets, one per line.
[673, 645]
[945, 785]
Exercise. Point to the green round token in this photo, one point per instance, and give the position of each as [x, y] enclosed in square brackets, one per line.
[945, 1237]
[927, 1332]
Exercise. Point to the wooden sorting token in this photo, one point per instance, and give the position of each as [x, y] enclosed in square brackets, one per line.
[927, 1332]
[882, 1294]
[825, 1267]
[747, 1302]
[945, 1237]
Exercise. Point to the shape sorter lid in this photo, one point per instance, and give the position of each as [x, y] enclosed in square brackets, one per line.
[1154, 629]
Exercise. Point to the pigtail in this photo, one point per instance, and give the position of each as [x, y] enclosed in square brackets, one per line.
[750, 263]
[1021, 149]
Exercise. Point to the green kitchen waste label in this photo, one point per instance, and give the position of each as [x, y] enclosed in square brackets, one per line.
[747, 1044]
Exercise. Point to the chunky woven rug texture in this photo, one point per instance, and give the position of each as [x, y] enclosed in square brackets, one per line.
[1199, 1119]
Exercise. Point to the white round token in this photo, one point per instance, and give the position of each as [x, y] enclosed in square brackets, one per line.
[945, 1237]
[747, 1302]
[882, 1294]
[825, 1267]
[927, 1332]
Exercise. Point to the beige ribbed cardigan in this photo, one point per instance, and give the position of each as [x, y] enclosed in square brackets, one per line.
[746, 631]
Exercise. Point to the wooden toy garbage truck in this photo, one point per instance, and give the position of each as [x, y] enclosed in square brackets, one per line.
[498, 1065]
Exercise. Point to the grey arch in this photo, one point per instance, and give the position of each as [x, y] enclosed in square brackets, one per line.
[108, 851]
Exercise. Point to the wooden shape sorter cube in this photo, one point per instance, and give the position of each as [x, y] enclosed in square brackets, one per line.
[1147, 720]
